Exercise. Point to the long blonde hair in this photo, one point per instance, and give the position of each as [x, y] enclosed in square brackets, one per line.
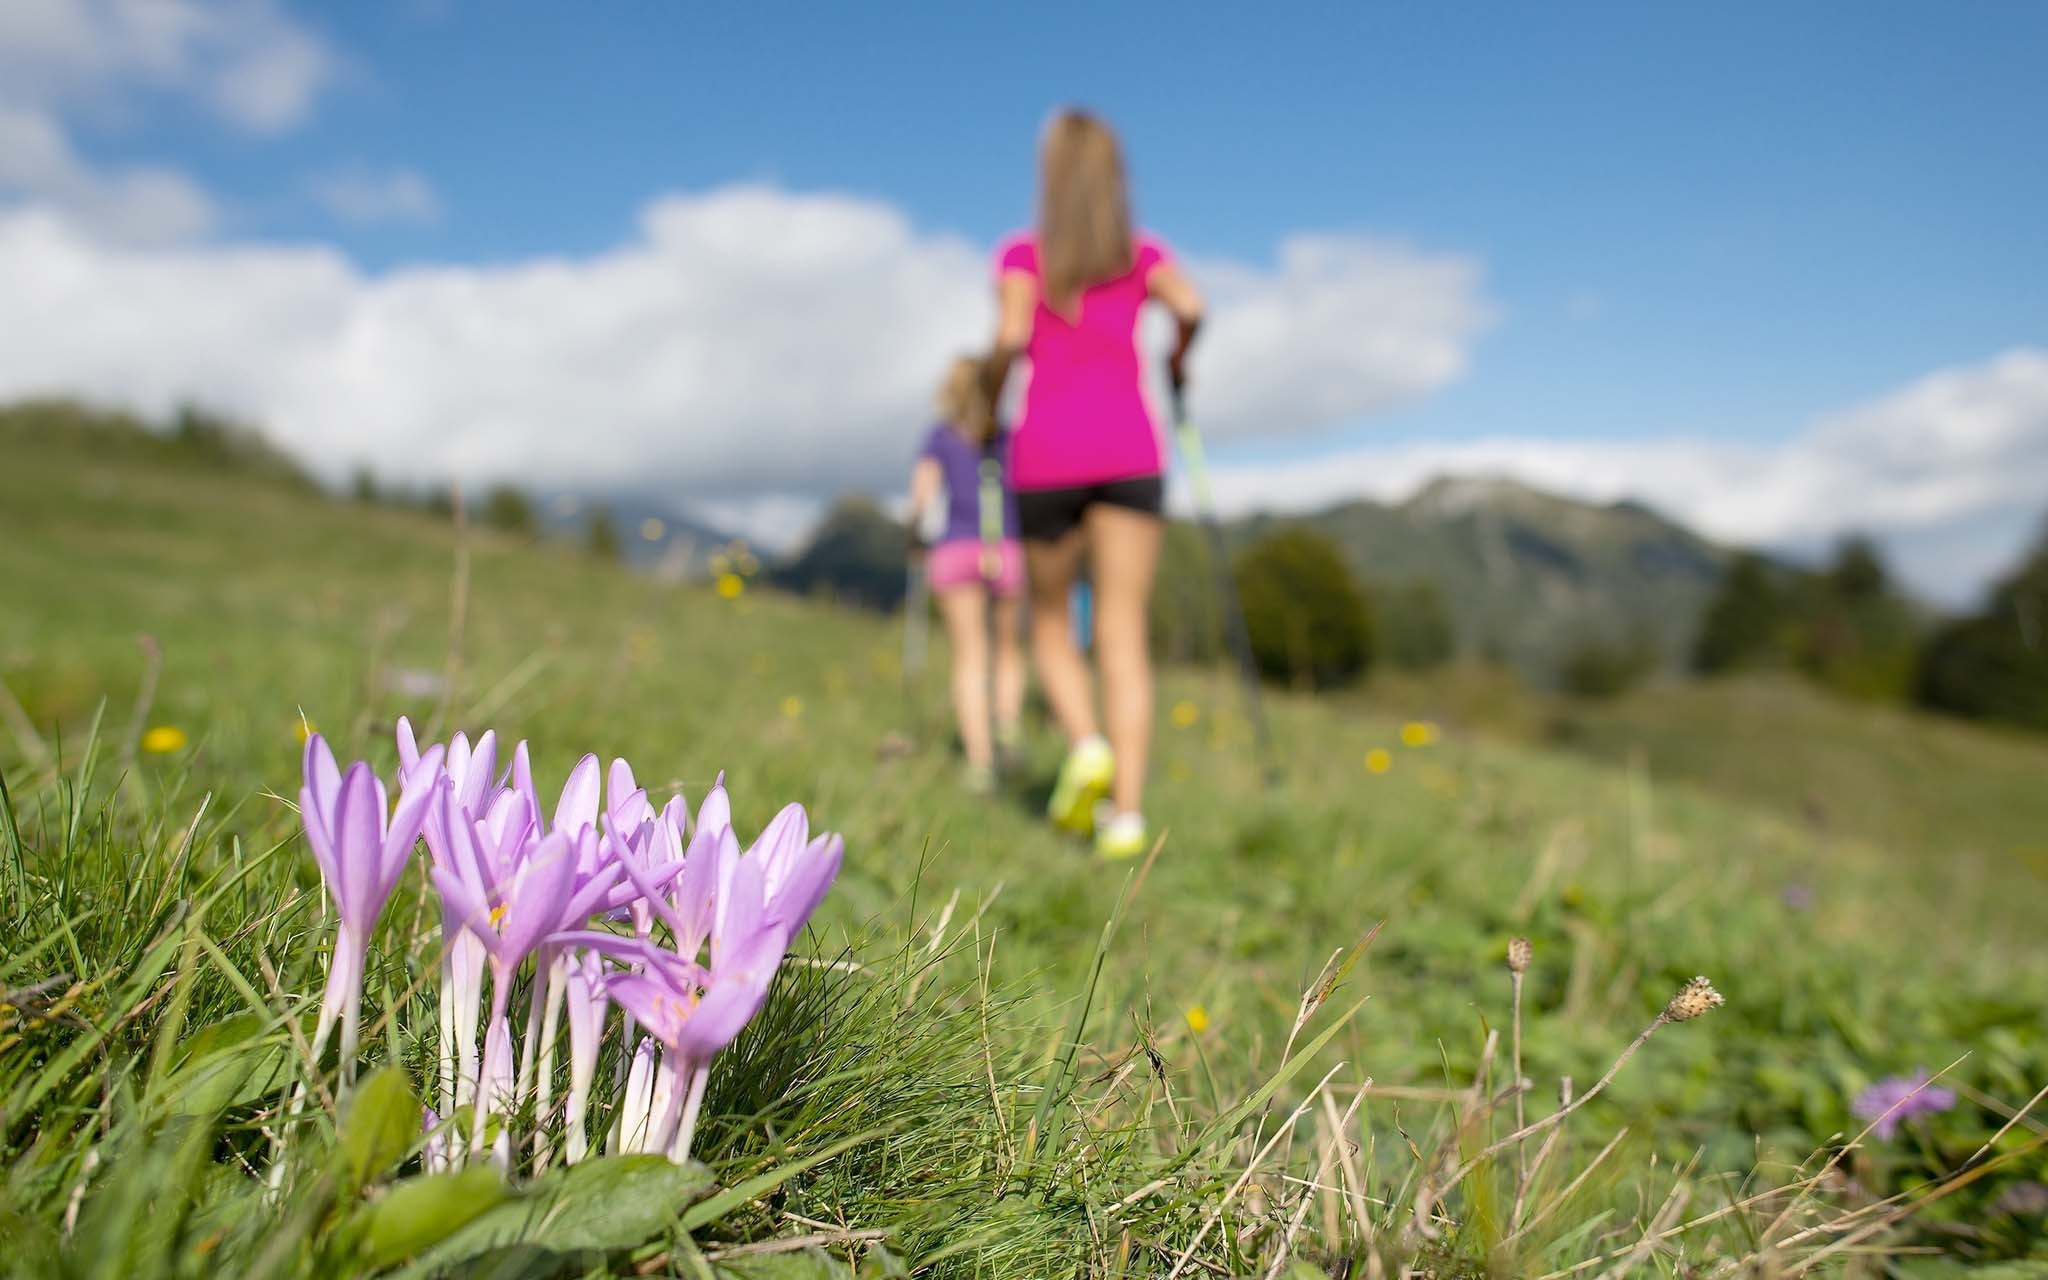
[1084, 208]
[963, 401]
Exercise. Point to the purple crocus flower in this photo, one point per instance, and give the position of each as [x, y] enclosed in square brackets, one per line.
[1898, 1098]
[361, 855]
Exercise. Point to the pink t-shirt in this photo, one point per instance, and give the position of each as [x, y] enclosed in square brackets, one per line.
[1085, 419]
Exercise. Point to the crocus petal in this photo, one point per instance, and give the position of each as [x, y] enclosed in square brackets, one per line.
[534, 902]
[483, 765]
[782, 840]
[806, 883]
[321, 841]
[522, 775]
[416, 794]
[323, 779]
[591, 894]
[577, 808]
[408, 746]
[654, 1003]
[716, 811]
[742, 906]
[358, 843]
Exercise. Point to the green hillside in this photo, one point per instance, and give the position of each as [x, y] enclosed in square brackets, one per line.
[1865, 887]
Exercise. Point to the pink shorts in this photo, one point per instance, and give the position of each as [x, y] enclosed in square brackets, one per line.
[957, 563]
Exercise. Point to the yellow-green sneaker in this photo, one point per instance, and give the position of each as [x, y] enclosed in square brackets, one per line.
[1084, 779]
[1120, 835]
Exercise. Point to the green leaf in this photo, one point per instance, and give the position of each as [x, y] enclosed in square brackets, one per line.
[600, 1205]
[419, 1213]
[225, 1066]
[382, 1120]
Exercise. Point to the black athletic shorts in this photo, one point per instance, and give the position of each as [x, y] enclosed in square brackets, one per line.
[1047, 515]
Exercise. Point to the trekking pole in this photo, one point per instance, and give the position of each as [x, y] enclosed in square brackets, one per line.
[1190, 443]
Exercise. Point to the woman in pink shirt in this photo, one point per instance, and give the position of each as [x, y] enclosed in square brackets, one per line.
[1086, 461]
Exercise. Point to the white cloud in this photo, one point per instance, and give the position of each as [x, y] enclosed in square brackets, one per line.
[747, 342]
[251, 62]
[246, 59]
[1951, 471]
[1344, 327]
[361, 196]
[142, 205]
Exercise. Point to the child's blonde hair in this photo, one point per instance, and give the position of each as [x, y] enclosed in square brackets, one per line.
[964, 403]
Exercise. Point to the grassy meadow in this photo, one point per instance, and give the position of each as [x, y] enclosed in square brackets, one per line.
[997, 1056]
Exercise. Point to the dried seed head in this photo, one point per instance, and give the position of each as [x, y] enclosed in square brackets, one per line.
[1694, 999]
[1520, 953]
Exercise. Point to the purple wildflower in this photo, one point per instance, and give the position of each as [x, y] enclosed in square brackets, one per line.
[1898, 1098]
[361, 854]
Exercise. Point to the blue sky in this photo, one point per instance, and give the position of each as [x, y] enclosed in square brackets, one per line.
[1703, 224]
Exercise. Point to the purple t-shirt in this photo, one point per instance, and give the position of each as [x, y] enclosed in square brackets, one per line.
[960, 463]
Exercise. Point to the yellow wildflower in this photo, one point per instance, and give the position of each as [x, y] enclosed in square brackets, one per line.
[1198, 1019]
[1379, 760]
[1185, 714]
[730, 585]
[1418, 733]
[792, 707]
[164, 738]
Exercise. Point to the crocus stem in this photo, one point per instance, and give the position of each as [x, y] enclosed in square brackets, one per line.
[679, 1150]
[531, 1042]
[447, 1094]
[544, 1081]
[669, 1087]
[501, 991]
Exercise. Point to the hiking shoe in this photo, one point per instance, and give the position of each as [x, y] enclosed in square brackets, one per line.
[1120, 835]
[1084, 779]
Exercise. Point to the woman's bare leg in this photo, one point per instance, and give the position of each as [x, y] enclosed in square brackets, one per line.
[1123, 550]
[965, 609]
[1062, 671]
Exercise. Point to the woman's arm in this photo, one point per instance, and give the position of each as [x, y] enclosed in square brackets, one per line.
[924, 490]
[1168, 286]
[1016, 305]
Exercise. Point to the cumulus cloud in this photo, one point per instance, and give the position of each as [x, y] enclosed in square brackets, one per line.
[1341, 328]
[252, 64]
[143, 205]
[747, 342]
[363, 196]
[1951, 471]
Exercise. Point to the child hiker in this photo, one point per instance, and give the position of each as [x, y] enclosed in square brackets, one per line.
[1087, 461]
[976, 567]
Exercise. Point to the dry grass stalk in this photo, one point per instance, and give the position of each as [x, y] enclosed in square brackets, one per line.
[1181, 1263]
[1571, 1188]
[1694, 999]
[1434, 1184]
[1520, 955]
[1525, 1182]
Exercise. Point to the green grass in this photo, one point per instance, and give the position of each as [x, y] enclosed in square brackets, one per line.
[1865, 886]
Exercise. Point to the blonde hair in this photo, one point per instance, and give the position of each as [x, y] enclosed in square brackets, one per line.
[964, 403]
[1084, 208]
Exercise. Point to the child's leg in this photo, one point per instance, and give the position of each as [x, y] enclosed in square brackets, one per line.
[965, 609]
[1009, 669]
